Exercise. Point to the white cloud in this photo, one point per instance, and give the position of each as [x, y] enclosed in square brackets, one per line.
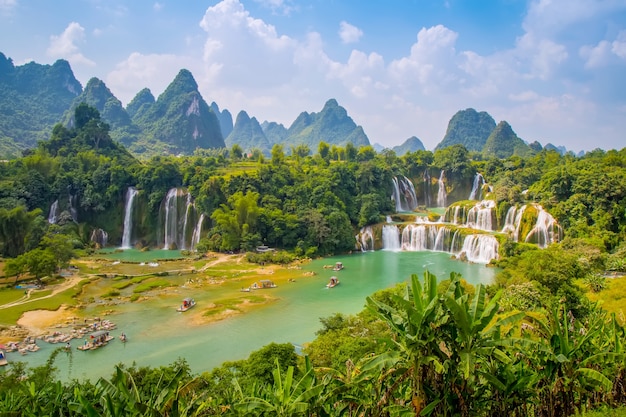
[157, 7]
[64, 45]
[349, 33]
[139, 71]
[7, 6]
[284, 7]
[618, 47]
[596, 56]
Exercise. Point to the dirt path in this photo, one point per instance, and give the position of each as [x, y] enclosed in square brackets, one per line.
[220, 258]
[66, 284]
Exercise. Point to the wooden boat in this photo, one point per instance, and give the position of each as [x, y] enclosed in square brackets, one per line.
[338, 266]
[3, 358]
[186, 305]
[123, 337]
[333, 282]
[96, 340]
[264, 283]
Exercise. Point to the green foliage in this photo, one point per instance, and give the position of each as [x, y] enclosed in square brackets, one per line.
[468, 128]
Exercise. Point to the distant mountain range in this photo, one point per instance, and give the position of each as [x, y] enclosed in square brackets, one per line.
[34, 97]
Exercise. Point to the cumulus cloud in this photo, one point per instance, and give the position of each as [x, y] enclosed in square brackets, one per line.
[7, 6]
[618, 47]
[139, 71]
[596, 56]
[65, 45]
[252, 50]
[349, 33]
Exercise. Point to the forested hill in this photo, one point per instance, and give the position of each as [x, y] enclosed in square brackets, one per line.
[33, 98]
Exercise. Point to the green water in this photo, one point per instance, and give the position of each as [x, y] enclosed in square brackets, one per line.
[158, 335]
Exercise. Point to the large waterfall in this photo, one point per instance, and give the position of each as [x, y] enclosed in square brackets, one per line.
[404, 194]
[131, 193]
[441, 194]
[365, 239]
[182, 223]
[477, 187]
[482, 216]
[54, 212]
[391, 237]
[438, 237]
[195, 237]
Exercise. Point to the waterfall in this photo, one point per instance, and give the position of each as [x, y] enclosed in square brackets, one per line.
[391, 237]
[404, 194]
[481, 216]
[388, 219]
[441, 194]
[54, 212]
[195, 237]
[99, 237]
[479, 249]
[476, 193]
[365, 239]
[171, 218]
[131, 193]
[546, 230]
[426, 188]
[188, 207]
[509, 220]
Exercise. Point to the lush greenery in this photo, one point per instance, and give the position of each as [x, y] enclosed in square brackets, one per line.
[422, 349]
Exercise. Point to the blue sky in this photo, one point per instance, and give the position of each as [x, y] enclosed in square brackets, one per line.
[554, 69]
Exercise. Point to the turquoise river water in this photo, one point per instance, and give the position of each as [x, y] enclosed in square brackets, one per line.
[158, 335]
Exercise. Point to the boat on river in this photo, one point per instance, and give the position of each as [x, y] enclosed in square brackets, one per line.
[3, 358]
[186, 305]
[96, 340]
[338, 266]
[264, 283]
[333, 282]
[123, 337]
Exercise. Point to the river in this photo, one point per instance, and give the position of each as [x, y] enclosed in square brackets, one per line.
[158, 335]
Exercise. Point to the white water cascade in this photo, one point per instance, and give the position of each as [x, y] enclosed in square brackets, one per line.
[441, 194]
[482, 216]
[479, 249]
[72, 207]
[391, 237]
[54, 212]
[477, 187]
[188, 206]
[365, 239]
[546, 230]
[195, 237]
[131, 193]
[404, 194]
[171, 218]
[99, 237]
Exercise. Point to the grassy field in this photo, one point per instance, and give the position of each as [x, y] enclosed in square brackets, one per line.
[612, 298]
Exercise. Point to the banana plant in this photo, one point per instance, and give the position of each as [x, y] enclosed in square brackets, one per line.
[416, 320]
[286, 397]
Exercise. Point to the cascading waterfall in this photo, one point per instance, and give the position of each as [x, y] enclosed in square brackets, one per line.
[188, 206]
[171, 218]
[391, 237]
[131, 193]
[53, 215]
[546, 230]
[509, 220]
[441, 194]
[388, 219]
[404, 194]
[365, 239]
[479, 249]
[477, 187]
[427, 188]
[99, 237]
[195, 237]
[481, 216]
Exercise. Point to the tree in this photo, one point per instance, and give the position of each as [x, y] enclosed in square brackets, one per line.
[323, 150]
[236, 152]
[41, 263]
[278, 154]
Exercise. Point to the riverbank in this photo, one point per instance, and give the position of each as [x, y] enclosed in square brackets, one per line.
[200, 277]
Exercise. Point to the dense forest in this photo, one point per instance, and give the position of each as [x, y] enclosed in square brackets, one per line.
[532, 343]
